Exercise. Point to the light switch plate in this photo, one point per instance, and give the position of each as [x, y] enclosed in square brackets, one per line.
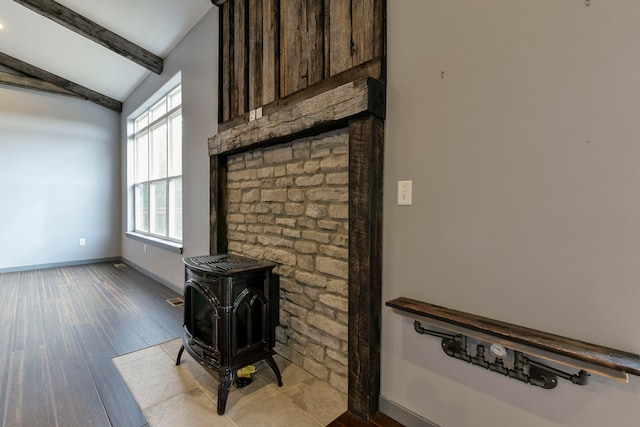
[404, 193]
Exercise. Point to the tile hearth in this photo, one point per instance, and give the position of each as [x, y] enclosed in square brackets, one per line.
[172, 395]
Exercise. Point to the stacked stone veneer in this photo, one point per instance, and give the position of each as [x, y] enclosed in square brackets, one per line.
[289, 204]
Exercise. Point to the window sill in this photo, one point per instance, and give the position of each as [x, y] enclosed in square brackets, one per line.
[164, 244]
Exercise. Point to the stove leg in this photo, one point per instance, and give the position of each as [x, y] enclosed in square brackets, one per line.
[179, 355]
[274, 367]
[224, 383]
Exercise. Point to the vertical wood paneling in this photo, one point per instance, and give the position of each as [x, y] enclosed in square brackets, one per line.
[239, 93]
[340, 36]
[273, 48]
[255, 41]
[314, 46]
[302, 45]
[293, 70]
[226, 64]
[270, 51]
[362, 32]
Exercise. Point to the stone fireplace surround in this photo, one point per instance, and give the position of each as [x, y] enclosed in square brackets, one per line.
[327, 242]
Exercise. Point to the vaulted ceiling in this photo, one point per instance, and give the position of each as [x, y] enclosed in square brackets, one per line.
[38, 49]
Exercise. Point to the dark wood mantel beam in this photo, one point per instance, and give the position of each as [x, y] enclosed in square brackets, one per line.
[59, 82]
[95, 32]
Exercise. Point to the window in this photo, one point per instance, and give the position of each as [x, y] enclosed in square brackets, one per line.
[157, 169]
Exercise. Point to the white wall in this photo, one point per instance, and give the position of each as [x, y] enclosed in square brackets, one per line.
[59, 180]
[196, 58]
[518, 123]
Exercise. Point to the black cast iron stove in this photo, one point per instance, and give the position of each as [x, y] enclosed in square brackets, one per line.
[231, 306]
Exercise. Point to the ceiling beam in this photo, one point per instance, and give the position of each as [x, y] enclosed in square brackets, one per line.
[27, 82]
[95, 32]
[81, 91]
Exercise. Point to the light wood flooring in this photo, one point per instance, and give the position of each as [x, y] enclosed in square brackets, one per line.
[59, 330]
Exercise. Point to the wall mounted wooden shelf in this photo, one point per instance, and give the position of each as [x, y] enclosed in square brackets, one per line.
[585, 356]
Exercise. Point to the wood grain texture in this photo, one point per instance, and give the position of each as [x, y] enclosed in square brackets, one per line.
[330, 109]
[81, 91]
[580, 350]
[366, 154]
[302, 42]
[270, 51]
[239, 91]
[226, 62]
[95, 32]
[29, 399]
[59, 329]
[256, 36]
[34, 84]
[76, 398]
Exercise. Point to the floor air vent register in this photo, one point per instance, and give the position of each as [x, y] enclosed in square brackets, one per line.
[231, 306]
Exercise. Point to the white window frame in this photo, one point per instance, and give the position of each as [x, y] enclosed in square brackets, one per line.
[142, 225]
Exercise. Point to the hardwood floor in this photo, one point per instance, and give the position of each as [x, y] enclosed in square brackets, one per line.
[59, 329]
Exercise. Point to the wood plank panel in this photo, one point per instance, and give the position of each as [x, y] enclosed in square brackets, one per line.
[8, 297]
[122, 336]
[339, 37]
[366, 154]
[226, 60]
[362, 31]
[58, 333]
[118, 402]
[293, 32]
[75, 396]
[29, 398]
[256, 77]
[302, 45]
[6, 335]
[270, 51]
[28, 329]
[315, 42]
[239, 90]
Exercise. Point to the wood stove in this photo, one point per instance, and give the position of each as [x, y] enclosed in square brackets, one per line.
[231, 306]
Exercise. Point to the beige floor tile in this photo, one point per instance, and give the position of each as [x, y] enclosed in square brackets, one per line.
[172, 347]
[136, 355]
[155, 378]
[291, 374]
[268, 408]
[193, 409]
[318, 399]
[187, 394]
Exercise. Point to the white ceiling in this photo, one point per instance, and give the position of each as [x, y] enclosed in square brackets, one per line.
[156, 25]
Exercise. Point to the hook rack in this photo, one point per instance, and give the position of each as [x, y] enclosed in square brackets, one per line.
[517, 344]
[522, 368]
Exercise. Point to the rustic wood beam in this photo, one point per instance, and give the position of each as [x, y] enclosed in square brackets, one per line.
[26, 82]
[38, 73]
[95, 32]
[325, 111]
[366, 160]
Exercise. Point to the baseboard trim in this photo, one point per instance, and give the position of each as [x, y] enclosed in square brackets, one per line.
[57, 264]
[403, 415]
[153, 276]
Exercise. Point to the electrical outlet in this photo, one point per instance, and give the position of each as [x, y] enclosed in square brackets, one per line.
[82, 242]
[404, 193]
